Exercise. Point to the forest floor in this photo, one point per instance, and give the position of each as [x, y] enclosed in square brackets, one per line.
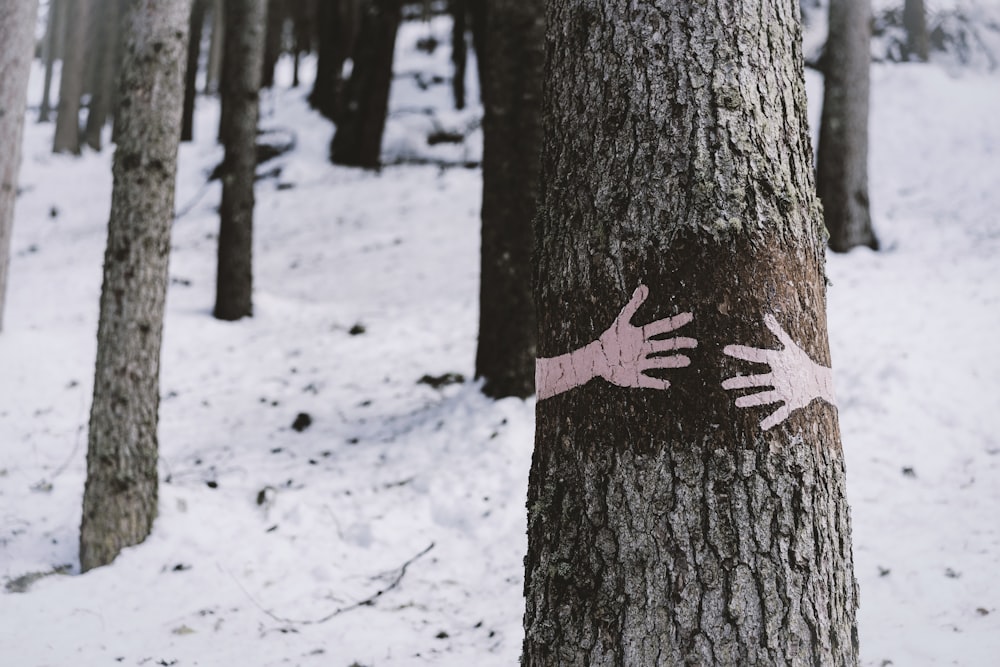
[391, 530]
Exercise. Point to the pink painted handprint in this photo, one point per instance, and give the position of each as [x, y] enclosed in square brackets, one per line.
[795, 379]
[621, 355]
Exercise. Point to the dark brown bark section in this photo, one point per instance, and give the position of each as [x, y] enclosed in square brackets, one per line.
[71, 80]
[915, 23]
[54, 28]
[107, 51]
[358, 139]
[244, 49]
[195, 27]
[665, 527]
[119, 501]
[17, 25]
[842, 155]
[512, 138]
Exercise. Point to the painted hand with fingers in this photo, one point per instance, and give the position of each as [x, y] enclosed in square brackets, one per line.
[795, 380]
[622, 355]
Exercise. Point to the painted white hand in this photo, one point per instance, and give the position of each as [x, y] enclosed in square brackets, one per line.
[624, 352]
[795, 379]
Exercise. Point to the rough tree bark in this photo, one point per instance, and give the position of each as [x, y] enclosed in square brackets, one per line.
[17, 29]
[842, 155]
[915, 22]
[53, 32]
[195, 26]
[358, 139]
[119, 500]
[71, 80]
[244, 54]
[512, 140]
[666, 524]
[108, 32]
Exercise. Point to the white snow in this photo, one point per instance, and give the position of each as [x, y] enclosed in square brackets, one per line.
[301, 525]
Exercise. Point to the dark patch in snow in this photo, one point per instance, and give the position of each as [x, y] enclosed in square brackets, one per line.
[302, 422]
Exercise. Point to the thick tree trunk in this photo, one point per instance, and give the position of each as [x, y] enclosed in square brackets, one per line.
[358, 139]
[244, 52]
[195, 26]
[119, 501]
[17, 29]
[512, 140]
[459, 50]
[338, 24]
[71, 81]
[842, 157]
[53, 32]
[107, 32]
[915, 22]
[666, 525]
[213, 70]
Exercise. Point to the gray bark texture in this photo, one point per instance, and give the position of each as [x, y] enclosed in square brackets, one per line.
[512, 130]
[17, 29]
[915, 22]
[242, 61]
[842, 155]
[119, 501]
[72, 79]
[107, 53]
[666, 527]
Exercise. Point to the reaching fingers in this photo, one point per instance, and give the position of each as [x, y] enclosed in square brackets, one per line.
[776, 417]
[744, 381]
[668, 344]
[761, 398]
[673, 361]
[754, 354]
[666, 325]
[638, 298]
[772, 323]
[647, 382]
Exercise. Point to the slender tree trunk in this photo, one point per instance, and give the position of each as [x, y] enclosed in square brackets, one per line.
[244, 53]
[459, 50]
[214, 69]
[842, 157]
[358, 139]
[477, 18]
[120, 497]
[512, 140]
[108, 32]
[197, 23]
[275, 26]
[17, 29]
[72, 79]
[666, 524]
[915, 22]
[53, 32]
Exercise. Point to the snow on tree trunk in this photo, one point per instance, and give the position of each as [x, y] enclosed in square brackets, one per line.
[72, 78]
[842, 157]
[244, 51]
[17, 29]
[512, 130]
[668, 524]
[119, 501]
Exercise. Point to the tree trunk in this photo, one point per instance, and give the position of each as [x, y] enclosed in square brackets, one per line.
[54, 28]
[842, 158]
[17, 29]
[213, 70]
[195, 26]
[459, 50]
[477, 19]
[339, 22]
[108, 32]
[244, 54]
[71, 81]
[119, 501]
[666, 524]
[272, 41]
[358, 139]
[915, 22]
[512, 140]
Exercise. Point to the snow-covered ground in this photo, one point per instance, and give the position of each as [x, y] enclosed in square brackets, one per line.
[410, 499]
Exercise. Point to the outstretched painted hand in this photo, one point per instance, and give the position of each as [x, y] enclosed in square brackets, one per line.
[621, 355]
[795, 379]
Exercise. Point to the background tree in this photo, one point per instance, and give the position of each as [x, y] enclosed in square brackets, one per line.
[459, 49]
[106, 52]
[338, 23]
[512, 137]
[666, 525]
[54, 26]
[72, 79]
[17, 29]
[197, 22]
[358, 139]
[277, 11]
[842, 155]
[242, 62]
[119, 500]
[915, 23]
[213, 71]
